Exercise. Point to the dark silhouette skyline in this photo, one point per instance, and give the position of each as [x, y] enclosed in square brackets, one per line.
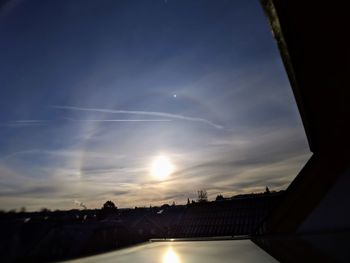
[47, 236]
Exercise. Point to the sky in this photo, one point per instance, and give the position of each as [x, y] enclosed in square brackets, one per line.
[93, 92]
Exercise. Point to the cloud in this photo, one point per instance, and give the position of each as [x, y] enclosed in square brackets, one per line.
[246, 134]
[81, 204]
[121, 120]
[14, 154]
[147, 113]
[32, 191]
[23, 123]
[114, 167]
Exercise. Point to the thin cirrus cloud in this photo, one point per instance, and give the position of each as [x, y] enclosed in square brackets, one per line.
[23, 123]
[120, 120]
[28, 123]
[233, 127]
[146, 113]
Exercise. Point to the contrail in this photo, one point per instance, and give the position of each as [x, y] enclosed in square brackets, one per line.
[28, 121]
[147, 113]
[24, 123]
[120, 120]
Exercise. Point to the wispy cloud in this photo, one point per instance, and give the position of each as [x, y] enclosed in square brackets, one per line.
[23, 123]
[81, 204]
[232, 128]
[120, 120]
[71, 154]
[147, 113]
[14, 154]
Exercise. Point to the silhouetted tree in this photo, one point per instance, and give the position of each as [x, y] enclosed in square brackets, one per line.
[108, 208]
[109, 205]
[219, 198]
[44, 210]
[202, 196]
[188, 201]
[267, 190]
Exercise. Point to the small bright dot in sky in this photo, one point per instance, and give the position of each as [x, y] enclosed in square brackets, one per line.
[174, 95]
[161, 168]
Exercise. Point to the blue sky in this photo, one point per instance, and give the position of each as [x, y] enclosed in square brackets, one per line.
[88, 101]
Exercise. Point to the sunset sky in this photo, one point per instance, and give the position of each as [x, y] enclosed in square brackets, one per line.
[97, 97]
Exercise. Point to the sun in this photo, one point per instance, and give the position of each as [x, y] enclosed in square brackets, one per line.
[161, 168]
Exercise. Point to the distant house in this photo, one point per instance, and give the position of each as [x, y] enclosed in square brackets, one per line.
[241, 215]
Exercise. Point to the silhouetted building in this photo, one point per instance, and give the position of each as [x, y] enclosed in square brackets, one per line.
[50, 236]
[241, 215]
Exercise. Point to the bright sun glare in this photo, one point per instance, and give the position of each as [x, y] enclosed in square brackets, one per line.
[170, 256]
[161, 168]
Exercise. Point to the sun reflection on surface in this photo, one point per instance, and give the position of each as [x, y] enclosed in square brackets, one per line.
[170, 256]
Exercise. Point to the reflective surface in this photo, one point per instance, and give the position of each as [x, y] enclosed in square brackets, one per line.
[170, 256]
[187, 251]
